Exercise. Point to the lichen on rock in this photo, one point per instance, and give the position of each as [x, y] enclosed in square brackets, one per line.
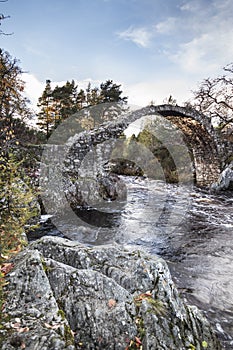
[64, 295]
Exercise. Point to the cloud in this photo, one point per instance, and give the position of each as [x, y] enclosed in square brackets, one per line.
[33, 89]
[191, 6]
[203, 34]
[197, 39]
[206, 6]
[206, 52]
[141, 94]
[167, 26]
[140, 36]
[223, 4]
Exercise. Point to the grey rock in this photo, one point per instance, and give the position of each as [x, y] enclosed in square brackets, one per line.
[70, 296]
[31, 300]
[126, 167]
[111, 187]
[225, 181]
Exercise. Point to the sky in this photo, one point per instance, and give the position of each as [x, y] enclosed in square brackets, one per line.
[153, 48]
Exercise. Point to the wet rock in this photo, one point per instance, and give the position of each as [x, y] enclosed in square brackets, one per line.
[97, 298]
[111, 187]
[73, 194]
[225, 181]
[44, 228]
[121, 166]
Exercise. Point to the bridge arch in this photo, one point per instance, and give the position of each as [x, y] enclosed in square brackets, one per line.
[199, 135]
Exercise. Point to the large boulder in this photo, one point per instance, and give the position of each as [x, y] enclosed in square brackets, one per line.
[63, 295]
[225, 181]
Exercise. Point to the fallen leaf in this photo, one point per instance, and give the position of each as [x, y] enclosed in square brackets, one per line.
[23, 346]
[143, 296]
[4, 256]
[55, 326]
[16, 250]
[16, 325]
[23, 330]
[138, 341]
[72, 332]
[4, 283]
[148, 293]
[111, 303]
[6, 268]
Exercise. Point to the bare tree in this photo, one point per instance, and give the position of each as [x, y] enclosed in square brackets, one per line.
[215, 99]
[2, 17]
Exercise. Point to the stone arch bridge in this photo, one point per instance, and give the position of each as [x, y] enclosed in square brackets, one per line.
[199, 135]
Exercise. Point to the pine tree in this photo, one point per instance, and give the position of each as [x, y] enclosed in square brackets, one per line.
[81, 99]
[66, 99]
[63, 101]
[111, 92]
[92, 95]
[111, 97]
[57, 105]
[48, 112]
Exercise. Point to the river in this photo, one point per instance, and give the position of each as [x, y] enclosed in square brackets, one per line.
[190, 228]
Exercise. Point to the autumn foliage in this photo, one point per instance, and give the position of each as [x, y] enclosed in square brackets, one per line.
[16, 195]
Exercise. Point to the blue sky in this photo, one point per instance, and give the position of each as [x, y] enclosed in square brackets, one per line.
[154, 48]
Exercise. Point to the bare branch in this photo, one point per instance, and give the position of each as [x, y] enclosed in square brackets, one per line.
[2, 17]
[228, 68]
[215, 98]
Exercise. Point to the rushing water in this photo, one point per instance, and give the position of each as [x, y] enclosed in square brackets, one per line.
[191, 228]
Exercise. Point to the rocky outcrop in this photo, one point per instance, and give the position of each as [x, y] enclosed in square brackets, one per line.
[62, 295]
[225, 181]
